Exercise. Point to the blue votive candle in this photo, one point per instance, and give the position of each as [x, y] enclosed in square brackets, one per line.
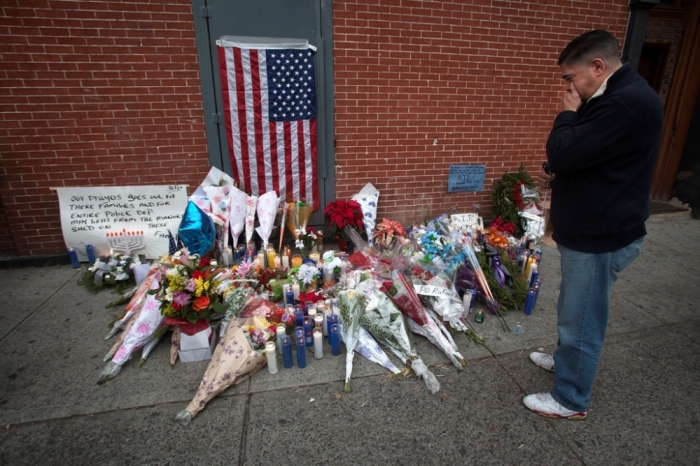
[287, 352]
[90, 251]
[535, 276]
[330, 320]
[299, 332]
[73, 254]
[334, 337]
[298, 316]
[472, 303]
[530, 301]
[301, 352]
[308, 331]
[289, 296]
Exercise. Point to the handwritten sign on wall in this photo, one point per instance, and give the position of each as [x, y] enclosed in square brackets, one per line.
[466, 178]
[101, 215]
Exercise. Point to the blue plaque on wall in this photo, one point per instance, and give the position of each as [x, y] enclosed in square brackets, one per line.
[466, 178]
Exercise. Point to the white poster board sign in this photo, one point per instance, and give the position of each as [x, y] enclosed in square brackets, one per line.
[119, 218]
[465, 222]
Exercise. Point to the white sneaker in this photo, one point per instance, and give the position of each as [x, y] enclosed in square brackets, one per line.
[544, 405]
[544, 360]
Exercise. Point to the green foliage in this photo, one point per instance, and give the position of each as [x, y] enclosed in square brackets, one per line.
[511, 299]
[504, 200]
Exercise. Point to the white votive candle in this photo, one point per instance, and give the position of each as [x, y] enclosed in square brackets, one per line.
[318, 344]
[326, 312]
[281, 333]
[295, 288]
[285, 262]
[271, 357]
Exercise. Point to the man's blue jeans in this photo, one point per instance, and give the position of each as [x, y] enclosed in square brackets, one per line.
[582, 318]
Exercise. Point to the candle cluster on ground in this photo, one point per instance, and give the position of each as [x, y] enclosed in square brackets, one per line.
[312, 323]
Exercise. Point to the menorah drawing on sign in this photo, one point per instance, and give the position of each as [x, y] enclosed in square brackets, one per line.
[126, 241]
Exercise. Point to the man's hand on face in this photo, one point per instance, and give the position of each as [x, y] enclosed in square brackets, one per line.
[571, 100]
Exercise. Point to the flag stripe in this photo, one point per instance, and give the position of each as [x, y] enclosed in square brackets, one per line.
[268, 154]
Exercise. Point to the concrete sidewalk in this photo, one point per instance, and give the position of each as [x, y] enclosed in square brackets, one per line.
[645, 407]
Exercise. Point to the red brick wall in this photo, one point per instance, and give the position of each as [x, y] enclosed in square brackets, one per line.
[421, 85]
[93, 93]
[108, 93]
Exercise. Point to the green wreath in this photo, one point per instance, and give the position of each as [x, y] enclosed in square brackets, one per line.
[507, 200]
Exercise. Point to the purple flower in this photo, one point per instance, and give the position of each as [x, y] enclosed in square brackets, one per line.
[190, 285]
[181, 298]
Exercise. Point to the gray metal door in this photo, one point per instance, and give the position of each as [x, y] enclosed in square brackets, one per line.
[298, 19]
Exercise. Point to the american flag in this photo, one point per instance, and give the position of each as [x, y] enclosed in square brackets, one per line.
[270, 113]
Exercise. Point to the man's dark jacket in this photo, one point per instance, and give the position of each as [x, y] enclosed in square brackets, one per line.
[603, 157]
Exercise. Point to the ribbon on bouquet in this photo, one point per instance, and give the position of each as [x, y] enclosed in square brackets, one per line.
[498, 271]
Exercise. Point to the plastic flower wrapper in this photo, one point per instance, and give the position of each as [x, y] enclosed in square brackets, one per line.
[438, 295]
[233, 361]
[234, 300]
[174, 345]
[368, 198]
[220, 203]
[135, 302]
[388, 325]
[257, 307]
[404, 296]
[368, 348]
[298, 215]
[148, 322]
[250, 206]
[351, 306]
[267, 211]
[238, 201]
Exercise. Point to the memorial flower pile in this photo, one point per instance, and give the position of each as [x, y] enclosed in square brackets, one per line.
[419, 281]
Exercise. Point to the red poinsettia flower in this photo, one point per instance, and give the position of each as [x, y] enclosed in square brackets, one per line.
[341, 214]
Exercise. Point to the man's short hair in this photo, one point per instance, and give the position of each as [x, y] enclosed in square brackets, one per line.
[590, 45]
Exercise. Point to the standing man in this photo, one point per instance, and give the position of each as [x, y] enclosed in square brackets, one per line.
[601, 155]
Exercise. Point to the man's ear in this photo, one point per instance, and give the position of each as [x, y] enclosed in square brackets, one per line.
[597, 67]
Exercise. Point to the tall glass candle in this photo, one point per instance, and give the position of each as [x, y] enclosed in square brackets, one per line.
[296, 290]
[330, 320]
[529, 301]
[315, 256]
[285, 262]
[298, 317]
[271, 255]
[334, 337]
[308, 331]
[301, 352]
[287, 352]
[90, 251]
[281, 330]
[289, 296]
[74, 258]
[318, 323]
[326, 312]
[271, 357]
[318, 344]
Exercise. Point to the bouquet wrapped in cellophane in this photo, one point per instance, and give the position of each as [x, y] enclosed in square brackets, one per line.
[238, 355]
[387, 324]
[404, 296]
[351, 306]
[298, 215]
